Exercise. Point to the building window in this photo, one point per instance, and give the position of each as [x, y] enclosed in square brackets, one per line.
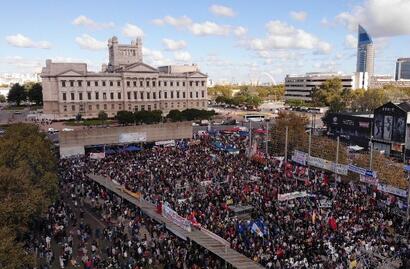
[165, 95]
[190, 83]
[183, 95]
[96, 95]
[63, 83]
[128, 84]
[80, 83]
[155, 106]
[103, 83]
[119, 106]
[97, 106]
[165, 83]
[177, 95]
[190, 95]
[142, 95]
[105, 106]
[71, 83]
[197, 83]
[203, 83]
[135, 95]
[172, 95]
[153, 84]
[197, 103]
[147, 83]
[96, 83]
[72, 96]
[159, 95]
[81, 107]
[177, 83]
[64, 96]
[90, 107]
[89, 95]
[129, 107]
[119, 96]
[128, 95]
[112, 106]
[135, 108]
[111, 95]
[65, 108]
[196, 93]
[104, 95]
[73, 107]
[149, 107]
[118, 83]
[141, 83]
[148, 95]
[154, 95]
[203, 94]
[171, 83]
[166, 105]
[183, 83]
[111, 83]
[88, 83]
[159, 83]
[142, 107]
[80, 96]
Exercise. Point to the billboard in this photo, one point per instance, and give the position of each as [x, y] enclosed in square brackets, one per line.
[132, 137]
[387, 127]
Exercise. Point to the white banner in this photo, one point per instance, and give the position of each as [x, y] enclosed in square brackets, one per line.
[132, 137]
[362, 171]
[300, 157]
[97, 155]
[369, 180]
[292, 195]
[173, 216]
[340, 169]
[392, 190]
[166, 143]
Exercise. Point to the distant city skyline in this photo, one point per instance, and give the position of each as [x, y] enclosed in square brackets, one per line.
[230, 41]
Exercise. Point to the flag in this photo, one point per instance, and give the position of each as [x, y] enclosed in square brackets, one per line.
[256, 229]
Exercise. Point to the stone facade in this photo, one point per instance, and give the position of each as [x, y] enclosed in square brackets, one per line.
[126, 83]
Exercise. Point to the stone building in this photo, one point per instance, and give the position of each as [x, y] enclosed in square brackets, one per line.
[126, 83]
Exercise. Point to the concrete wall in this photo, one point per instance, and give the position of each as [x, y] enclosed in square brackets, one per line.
[97, 136]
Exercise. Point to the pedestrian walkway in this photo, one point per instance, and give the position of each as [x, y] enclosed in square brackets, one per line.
[229, 255]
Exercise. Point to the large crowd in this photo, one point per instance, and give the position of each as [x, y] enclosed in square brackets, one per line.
[202, 183]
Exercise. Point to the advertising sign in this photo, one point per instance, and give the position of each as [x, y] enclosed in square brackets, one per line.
[171, 215]
[340, 169]
[361, 171]
[369, 180]
[300, 157]
[392, 190]
[97, 155]
[292, 195]
[132, 137]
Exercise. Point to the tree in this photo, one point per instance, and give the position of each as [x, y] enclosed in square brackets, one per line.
[175, 115]
[125, 117]
[17, 94]
[102, 116]
[148, 117]
[332, 94]
[2, 98]
[35, 93]
[12, 254]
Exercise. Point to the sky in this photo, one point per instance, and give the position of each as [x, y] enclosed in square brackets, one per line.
[231, 41]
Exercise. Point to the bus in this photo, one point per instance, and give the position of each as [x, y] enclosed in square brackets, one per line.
[254, 117]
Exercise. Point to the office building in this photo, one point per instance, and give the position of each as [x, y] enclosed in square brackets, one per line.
[125, 83]
[403, 69]
[301, 87]
[365, 52]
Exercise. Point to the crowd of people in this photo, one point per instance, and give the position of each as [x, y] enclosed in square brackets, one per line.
[202, 183]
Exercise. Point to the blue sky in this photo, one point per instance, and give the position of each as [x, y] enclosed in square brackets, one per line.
[230, 40]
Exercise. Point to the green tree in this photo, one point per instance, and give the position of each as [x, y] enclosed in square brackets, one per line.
[332, 94]
[125, 117]
[12, 254]
[175, 115]
[35, 93]
[2, 98]
[17, 94]
[102, 116]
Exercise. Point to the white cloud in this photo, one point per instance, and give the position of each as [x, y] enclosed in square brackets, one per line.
[283, 36]
[325, 22]
[222, 11]
[183, 21]
[132, 30]
[209, 28]
[298, 15]
[85, 21]
[182, 56]
[199, 29]
[173, 44]
[90, 43]
[350, 42]
[22, 41]
[240, 31]
[382, 18]
[155, 57]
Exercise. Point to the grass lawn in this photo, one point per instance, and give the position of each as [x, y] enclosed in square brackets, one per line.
[88, 122]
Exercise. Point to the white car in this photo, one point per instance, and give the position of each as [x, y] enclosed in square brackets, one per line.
[52, 130]
[68, 130]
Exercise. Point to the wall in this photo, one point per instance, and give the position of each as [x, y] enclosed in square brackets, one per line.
[98, 136]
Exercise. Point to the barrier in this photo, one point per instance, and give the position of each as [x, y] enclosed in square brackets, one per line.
[136, 195]
[216, 237]
[170, 214]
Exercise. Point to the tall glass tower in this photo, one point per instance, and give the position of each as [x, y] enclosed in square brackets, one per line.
[365, 52]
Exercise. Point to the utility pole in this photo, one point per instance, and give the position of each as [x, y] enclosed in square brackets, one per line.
[371, 154]
[250, 137]
[286, 144]
[267, 137]
[337, 158]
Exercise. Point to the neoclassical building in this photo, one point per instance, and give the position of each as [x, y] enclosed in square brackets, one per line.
[126, 83]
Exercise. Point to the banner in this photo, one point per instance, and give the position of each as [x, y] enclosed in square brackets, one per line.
[325, 203]
[361, 171]
[392, 190]
[132, 137]
[97, 155]
[171, 215]
[292, 195]
[328, 165]
[166, 143]
[369, 180]
[300, 157]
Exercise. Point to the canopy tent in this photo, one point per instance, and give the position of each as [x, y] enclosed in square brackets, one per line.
[355, 148]
[133, 148]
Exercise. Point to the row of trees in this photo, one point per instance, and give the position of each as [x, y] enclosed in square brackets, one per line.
[32, 92]
[331, 93]
[155, 116]
[28, 186]
[247, 100]
[387, 169]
